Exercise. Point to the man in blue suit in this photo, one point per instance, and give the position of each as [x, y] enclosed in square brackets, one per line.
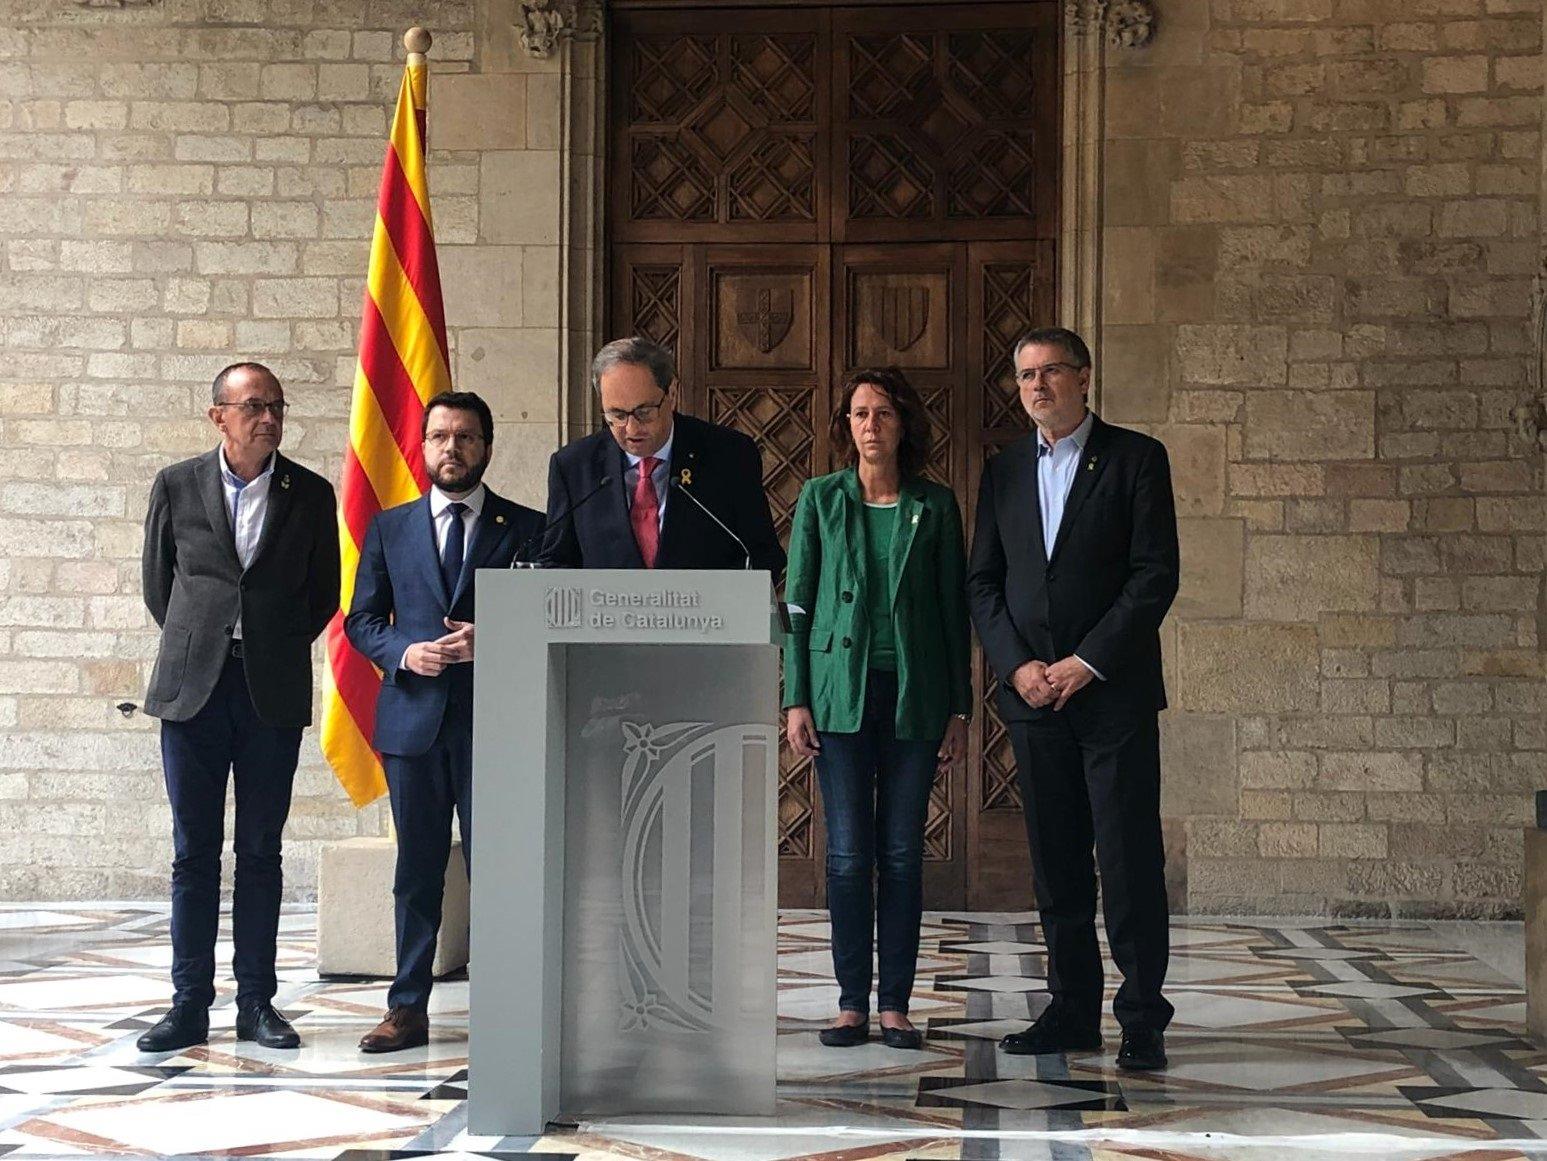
[412, 615]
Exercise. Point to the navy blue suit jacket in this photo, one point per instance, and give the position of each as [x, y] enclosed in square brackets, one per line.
[726, 473]
[401, 599]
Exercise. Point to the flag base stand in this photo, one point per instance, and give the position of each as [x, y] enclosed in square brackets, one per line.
[355, 934]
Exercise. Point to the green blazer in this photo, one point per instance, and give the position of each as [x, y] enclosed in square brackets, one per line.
[826, 654]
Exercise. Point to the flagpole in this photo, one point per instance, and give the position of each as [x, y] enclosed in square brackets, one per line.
[417, 41]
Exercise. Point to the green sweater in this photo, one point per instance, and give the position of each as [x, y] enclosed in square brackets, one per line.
[880, 529]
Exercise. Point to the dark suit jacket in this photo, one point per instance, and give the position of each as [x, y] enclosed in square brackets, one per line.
[195, 588]
[1111, 578]
[727, 478]
[400, 598]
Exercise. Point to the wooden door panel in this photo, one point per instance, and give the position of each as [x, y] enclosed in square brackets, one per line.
[719, 125]
[652, 295]
[945, 122]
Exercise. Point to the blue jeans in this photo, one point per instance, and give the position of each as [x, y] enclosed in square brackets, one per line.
[875, 795]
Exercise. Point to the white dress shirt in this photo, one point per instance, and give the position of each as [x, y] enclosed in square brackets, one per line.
[1057, 466]
[440, 502]
[657, 477]
[440, 517]
[247, 503]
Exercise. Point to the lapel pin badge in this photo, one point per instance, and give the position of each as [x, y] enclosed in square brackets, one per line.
[284, 482]
[499, 519]
[686, 476]
[1091, 466]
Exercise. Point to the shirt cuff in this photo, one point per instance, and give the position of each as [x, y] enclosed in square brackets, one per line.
[402, 662]
[1098, 674]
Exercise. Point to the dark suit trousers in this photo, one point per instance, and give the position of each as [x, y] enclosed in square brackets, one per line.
[425, 789]
[1090, 775]
[226, 737]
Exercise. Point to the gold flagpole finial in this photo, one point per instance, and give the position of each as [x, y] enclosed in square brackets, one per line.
[417, 41]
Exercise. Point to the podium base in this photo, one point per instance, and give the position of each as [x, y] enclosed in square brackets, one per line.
[355, 935]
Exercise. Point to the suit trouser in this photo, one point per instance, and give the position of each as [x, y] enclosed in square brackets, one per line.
[1090, 775]
[425, 789]
[226, 737]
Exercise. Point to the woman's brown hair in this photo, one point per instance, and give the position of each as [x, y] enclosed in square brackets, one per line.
[913, 450]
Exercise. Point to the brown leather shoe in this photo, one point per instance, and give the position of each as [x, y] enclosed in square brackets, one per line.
[403, 1028]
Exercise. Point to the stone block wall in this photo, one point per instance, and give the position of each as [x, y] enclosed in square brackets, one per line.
[1322, 221]
[1322, 224]
[182, 184]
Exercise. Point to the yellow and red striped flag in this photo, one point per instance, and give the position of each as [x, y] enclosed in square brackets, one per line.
[402, 364]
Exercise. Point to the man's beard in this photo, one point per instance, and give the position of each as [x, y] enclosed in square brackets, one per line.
[453, 477]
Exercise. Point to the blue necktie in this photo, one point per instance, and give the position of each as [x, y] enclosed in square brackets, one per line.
[451, 555]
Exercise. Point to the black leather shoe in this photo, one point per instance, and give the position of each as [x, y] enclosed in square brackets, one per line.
[1143, 1050]
[182, 1027]
[845, 1035]
[261, 1022]
[1054, 1031]
[902, 1037]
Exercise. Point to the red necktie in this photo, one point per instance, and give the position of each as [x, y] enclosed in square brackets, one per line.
[645, 514]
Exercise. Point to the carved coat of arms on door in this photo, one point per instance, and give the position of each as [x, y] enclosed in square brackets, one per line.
[765, 315]
[900, 314]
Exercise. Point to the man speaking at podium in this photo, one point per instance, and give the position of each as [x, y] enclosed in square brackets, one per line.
[654, 488]
[412, 615]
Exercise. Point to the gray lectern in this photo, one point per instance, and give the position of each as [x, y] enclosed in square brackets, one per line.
[625, 757]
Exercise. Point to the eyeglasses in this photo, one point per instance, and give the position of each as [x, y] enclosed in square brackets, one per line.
[643, 414]
[459, 438]
[1029, 375]
[252, 408]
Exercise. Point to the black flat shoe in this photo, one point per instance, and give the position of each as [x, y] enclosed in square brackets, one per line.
[1054, 1031]
[182, 1027]
[845, 1035]
[902, 1037]
[262, 1023]
[1143, 1050]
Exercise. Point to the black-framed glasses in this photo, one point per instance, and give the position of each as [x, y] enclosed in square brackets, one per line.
[1029, 375]
[252, 408]
[644, 414]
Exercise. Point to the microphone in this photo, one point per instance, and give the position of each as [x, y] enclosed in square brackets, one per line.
[678, 486]
[746, 554]
[549, 525]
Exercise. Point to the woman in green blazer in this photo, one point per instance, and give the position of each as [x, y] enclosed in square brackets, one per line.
[876, 683]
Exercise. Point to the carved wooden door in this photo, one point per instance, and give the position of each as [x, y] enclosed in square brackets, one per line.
[804, 191]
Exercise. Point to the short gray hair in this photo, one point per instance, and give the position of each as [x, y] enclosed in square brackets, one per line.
[1072, 344]
[638, 352]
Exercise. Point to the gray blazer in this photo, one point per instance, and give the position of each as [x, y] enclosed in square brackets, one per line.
[195, 588]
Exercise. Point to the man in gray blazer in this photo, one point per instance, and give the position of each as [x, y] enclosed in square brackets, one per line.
[241, 572]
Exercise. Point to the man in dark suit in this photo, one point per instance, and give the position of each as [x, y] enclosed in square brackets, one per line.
[412, 615]
[240, 570]
[634, 494]
[1073, 566]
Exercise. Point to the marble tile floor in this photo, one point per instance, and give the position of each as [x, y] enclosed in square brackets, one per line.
[1293, 1040]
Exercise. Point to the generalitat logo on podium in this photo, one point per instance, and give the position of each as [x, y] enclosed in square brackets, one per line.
[565, 607]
